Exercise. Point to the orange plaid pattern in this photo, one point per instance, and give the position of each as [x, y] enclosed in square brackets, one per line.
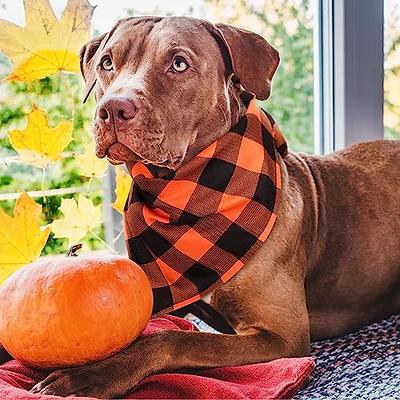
[195, 228]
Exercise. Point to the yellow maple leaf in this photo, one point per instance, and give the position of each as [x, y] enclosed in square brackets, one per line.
[122, 188]
[21, 239]
[80, 217]
[89, 164]
[38, 144]
[46, 45]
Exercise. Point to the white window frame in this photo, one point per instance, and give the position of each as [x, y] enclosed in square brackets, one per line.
[348, 73]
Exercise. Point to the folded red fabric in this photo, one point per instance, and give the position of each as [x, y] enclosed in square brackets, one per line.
[276, 379]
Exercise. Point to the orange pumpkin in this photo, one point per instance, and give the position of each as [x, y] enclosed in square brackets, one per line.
[70, 311]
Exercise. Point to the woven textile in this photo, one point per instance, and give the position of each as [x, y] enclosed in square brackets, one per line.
[195, 228]
[362, 365]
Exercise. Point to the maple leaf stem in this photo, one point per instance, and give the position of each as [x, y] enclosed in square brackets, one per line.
[118, 236]
[42, 188]
[88, 184]
[104, 242]
[69, 88]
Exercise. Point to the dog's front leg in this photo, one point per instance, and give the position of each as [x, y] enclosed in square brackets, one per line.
[165, 351]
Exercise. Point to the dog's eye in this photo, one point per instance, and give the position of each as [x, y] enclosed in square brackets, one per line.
[179, 64]
[106, 63]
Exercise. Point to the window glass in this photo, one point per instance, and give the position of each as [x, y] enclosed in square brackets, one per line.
[392, 69]
[286, 24]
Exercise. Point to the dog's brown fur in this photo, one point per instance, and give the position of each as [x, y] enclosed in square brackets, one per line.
[332, 262]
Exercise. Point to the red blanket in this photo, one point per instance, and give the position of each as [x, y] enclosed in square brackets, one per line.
[276, 379]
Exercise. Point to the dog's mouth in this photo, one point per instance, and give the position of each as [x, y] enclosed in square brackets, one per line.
[118, 153]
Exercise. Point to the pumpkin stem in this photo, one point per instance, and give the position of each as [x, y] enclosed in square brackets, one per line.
[73, 249]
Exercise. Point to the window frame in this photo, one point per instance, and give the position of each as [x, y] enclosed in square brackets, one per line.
[348, 53]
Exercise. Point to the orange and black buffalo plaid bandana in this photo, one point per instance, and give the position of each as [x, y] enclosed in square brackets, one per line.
[195, 228]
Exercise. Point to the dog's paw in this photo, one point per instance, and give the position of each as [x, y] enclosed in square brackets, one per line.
[80, 381]
[111, 378]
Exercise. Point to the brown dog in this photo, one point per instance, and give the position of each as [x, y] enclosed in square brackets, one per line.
[165, 90]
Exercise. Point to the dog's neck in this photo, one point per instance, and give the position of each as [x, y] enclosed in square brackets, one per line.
[236, 111]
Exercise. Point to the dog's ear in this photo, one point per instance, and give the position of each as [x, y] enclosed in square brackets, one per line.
[254, 61]
[87, 58]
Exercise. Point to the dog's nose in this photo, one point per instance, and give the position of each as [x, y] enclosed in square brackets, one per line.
[118, 108]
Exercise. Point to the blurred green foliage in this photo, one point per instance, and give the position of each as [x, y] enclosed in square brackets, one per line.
[288, 26]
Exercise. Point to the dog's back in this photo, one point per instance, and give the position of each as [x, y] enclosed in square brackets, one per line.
[355, 274]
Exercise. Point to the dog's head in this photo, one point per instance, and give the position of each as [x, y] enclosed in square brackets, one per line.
[168, 87]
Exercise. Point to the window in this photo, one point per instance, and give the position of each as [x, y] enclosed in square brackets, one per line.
[329, 50]
[287, 25]
[349, 72]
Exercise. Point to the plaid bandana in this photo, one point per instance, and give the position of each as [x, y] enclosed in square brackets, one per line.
[194, 229]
